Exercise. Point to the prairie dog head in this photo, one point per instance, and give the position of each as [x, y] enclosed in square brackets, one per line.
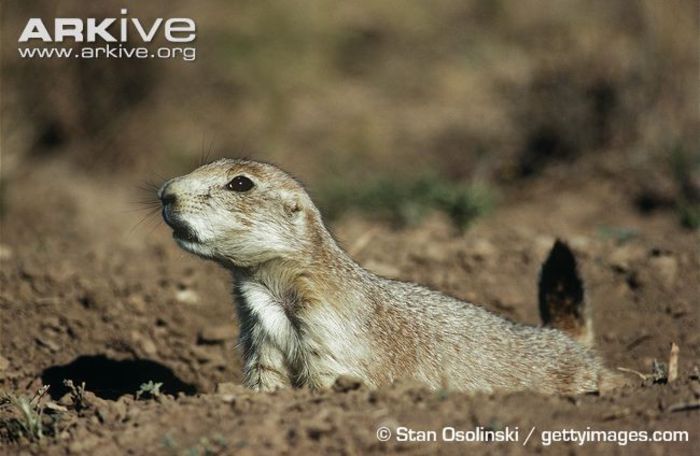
[239, 212]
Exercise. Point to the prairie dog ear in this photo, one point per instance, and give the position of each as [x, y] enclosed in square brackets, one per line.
[291, 203]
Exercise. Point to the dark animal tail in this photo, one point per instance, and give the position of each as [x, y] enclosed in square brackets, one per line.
[561, 295]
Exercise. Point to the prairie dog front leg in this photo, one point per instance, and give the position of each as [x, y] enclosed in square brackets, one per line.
[265, 367]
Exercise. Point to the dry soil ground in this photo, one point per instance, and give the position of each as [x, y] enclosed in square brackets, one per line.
[87, 295]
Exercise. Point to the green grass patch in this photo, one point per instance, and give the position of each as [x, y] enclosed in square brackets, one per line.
[406, 201]
[617, 233]
[25, 417]
[683, 164]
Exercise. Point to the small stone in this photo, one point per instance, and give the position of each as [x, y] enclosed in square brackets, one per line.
[119, 408]
[56, 407]
[187, 296]
[695, 373]
[105, 410]
[228, 398]
[148, 346]
[144, 342]
[581, 243]
[483, 249]
[666, 269]
[319, 425]
[84, 445]
[623, 257]
[48, 343]
[210, 355]
[5, 252]
[227, 388]
[616, 414]
[4, 363]
[66, 400]
[97, 297]
[695, 388]
[216, 334]
[48, 301]
[435, 252]
[137, 302]
[52, 322]
[345, 383]
[228, 392]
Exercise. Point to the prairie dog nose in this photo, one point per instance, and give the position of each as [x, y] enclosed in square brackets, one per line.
[167, 198]
[166, 195]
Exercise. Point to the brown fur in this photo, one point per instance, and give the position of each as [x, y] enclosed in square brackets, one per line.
[309, 313]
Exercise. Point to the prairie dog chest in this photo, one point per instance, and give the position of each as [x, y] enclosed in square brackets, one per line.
[270, 311]
[317, 344]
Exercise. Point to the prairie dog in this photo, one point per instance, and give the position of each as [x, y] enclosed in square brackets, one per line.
[309, 314]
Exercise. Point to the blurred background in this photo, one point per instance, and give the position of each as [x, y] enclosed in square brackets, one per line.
[390, 107]
[448, 143]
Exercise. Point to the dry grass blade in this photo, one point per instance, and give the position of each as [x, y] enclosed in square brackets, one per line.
[673, 363]
[683, 406]
[632, 371]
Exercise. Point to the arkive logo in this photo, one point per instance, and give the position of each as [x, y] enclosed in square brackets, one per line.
[111, 38]
[175, 30]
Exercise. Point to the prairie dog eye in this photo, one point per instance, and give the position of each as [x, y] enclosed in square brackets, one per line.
[240, 184]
